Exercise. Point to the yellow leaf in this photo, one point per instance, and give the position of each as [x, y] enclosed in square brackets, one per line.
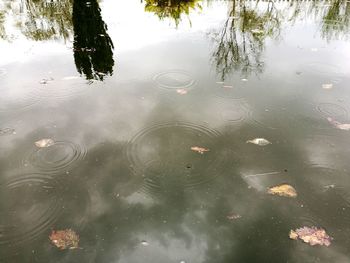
[293, 235]
[283, 190]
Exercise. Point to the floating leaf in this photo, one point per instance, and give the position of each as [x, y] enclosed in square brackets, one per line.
[283, 190]
[344, 126]
[259, 141]
[144, 243]
[65, 239]
[311, 235]
[338, 125]
[199, 149]
[44, 143]
[293, 235]
[233, 216]
[327, 86]
[181, 91]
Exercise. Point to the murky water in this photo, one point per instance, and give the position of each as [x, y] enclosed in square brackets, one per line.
[150, 105]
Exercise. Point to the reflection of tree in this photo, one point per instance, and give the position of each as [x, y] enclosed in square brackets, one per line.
[93, 48]
[240, 43]
[2, 28]
[171, 8]
[46, 19]
[336, 21]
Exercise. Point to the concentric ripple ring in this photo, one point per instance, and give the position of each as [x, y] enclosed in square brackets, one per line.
[30, 205]
[56, 158]
[174, 79]
[162, 154]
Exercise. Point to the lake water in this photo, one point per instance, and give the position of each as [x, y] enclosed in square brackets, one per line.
[150, 105]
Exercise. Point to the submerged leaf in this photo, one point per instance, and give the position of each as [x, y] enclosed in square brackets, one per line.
[199, 149]
[311, 235]
[44, 143]
[259, 141]
[283, 190]
[64, 239]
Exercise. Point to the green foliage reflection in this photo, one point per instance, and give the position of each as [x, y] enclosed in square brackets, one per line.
[46, 20]
[240, 42]
[172, 9]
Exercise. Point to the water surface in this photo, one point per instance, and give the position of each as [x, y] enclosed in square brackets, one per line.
[126, 88]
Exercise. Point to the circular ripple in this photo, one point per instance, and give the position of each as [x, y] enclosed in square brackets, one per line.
[234, 112]
[56, 158]
[13, 99]
[29, 206]
[332, 72]
[162, 155]
[272, 119]
[308, 220]
[2, 72]
[332, 110]
[323, 184]
[236, 92]
[64, 88]
[323, 175]
[174, 79]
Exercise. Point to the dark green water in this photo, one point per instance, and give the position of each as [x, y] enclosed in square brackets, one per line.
[126, 88]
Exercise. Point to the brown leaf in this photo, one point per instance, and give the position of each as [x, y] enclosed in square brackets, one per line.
[199, 149]
[64, 239]
[283, 190]
[311, 235]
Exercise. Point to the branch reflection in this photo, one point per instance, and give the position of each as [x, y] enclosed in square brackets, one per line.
[239, 44]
